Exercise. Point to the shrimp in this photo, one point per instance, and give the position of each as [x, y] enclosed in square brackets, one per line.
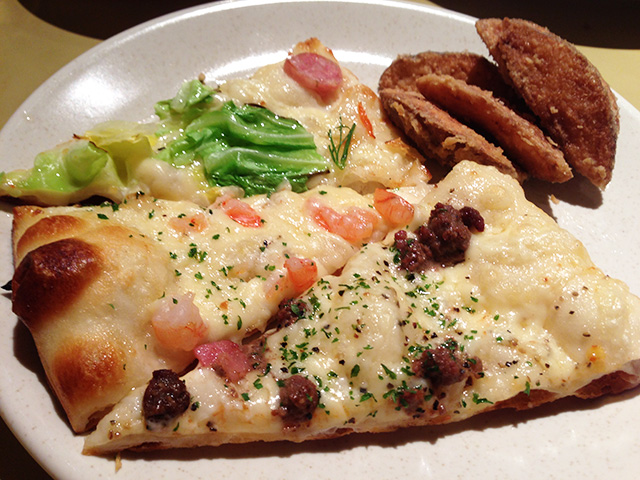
[302, 273]
[356, 225]
[296, 277]
[241, 212]
[177, 323]
[393, 208]
[186, 224]
[364, 118]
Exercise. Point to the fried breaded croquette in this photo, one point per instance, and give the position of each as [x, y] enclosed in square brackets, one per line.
[472, 68]
[439, 136]
[573, 102]
[522, 141]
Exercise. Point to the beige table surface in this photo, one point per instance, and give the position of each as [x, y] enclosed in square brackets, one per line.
[32, 48]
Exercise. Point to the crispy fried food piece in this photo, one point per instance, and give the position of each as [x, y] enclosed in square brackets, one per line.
[471, 68]
[575, 105]
[522, 141]
[439, 136]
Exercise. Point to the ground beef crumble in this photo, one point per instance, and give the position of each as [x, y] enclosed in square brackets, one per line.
[165, 398]
[443, 240]
[298, 400]
[445, 365]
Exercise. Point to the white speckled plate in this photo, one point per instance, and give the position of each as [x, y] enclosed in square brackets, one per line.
[123, 77]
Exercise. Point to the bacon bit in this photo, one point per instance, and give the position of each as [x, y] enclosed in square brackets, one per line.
[364, 118]
[226, 358]
[314, 72]
[240, 212]
[393, 208]
[302, 273]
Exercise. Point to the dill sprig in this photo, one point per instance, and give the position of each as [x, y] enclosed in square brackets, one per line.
[340, 150]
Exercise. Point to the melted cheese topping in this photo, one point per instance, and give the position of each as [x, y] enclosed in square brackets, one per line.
[234, 271]
[527, 302]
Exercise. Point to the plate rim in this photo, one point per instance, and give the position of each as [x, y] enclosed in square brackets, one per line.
[129, 35]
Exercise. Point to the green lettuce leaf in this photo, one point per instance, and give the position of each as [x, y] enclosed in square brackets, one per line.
[127, 144]
[64, 175]
[192, 100]
[248, 146]
[209, 142]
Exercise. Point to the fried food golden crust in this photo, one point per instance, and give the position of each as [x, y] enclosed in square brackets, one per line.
[438, 135]
[575, 105]
[469, 67]
[522, 141]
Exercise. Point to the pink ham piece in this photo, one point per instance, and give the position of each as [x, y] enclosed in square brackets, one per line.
[314, 72]
[226, 358]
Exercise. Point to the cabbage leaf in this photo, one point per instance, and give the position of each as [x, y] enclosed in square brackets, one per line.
[225, 144]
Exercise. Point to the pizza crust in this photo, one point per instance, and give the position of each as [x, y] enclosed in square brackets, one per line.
[96, 273]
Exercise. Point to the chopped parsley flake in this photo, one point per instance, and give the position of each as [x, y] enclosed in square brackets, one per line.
[391, 374]
[366, 396]
[477, 400]
[199, 255]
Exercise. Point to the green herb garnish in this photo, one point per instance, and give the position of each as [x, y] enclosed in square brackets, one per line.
[340, 150]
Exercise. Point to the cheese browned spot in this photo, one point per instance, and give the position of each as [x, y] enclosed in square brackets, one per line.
[46, 230]
[50, 278]
[86, 367]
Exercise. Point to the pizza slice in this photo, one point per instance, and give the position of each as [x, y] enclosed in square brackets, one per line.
[303, 121]
[479, 302]
[115, 291]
